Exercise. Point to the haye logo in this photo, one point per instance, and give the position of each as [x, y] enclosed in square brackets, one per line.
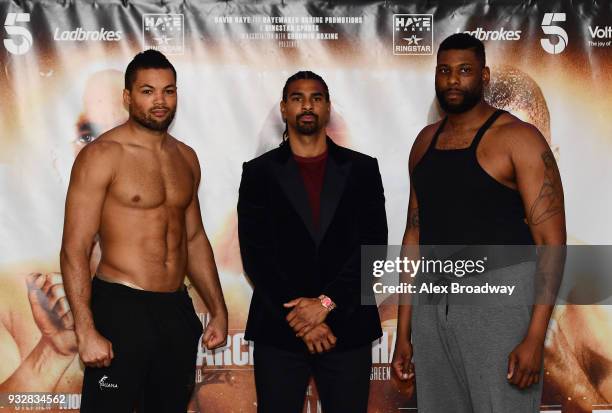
[412, 34]
[163, 32]
[20, 39]
[556, 32]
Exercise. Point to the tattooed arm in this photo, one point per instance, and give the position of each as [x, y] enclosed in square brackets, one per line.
[539, 184]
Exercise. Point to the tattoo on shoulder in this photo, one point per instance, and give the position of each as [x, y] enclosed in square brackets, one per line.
[550, 199]
[549, 159]
[413, 218]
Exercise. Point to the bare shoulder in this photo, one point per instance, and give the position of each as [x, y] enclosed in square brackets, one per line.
[521, 136]
[189, 154]
[101, 154]
[427, 133]
[186, 151]
[421, 143]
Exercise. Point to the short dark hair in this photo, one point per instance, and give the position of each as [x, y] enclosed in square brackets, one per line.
[149, 59]
[305, 75]
[464, 41]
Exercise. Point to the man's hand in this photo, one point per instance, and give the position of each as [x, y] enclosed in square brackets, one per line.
[215, 334]
[307, 313]
[51, 311]
[402, 360]
[95, 350]
[525, 362]
[320, 339]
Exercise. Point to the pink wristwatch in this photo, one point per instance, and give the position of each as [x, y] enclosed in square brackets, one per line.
[327, 302]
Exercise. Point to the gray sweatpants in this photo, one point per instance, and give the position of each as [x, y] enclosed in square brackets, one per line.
[461, 351]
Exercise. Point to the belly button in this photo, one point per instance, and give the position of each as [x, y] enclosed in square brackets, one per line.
[136, 198]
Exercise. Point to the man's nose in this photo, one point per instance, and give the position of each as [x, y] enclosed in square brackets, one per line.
[453, 78]
[159, 97]
[307, 104]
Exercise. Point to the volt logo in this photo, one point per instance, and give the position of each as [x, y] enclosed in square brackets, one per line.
[556, 32]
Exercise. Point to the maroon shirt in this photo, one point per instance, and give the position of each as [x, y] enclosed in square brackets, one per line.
[313, 171]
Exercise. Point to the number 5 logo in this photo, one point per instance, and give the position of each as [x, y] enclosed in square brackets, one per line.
[556, 31]
[19, 33]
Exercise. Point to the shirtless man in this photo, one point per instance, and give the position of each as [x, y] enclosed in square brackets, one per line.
[136, 187]
[478, 177]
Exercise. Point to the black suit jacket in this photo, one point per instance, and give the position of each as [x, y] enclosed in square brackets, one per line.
[285, 257]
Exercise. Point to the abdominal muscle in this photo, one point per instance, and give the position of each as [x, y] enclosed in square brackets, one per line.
[144, 249]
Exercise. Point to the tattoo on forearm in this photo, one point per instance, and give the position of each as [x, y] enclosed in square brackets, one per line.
[550, 199]
[413, 218]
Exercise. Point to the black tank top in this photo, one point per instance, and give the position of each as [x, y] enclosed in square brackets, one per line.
[461, 204]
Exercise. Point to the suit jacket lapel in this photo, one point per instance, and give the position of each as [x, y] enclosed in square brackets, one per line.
[288, 174]
[336, 173]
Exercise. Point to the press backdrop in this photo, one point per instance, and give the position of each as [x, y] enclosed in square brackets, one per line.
[61, 83]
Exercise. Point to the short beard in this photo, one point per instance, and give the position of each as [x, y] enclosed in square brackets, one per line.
[308, 128]
[470, 99]
[148, 122]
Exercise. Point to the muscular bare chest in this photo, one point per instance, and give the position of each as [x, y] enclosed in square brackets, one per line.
[149, 180]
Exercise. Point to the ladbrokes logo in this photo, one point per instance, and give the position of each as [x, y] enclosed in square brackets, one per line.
[494, 35]
[163, 32]
[81, 35]
[413, 34]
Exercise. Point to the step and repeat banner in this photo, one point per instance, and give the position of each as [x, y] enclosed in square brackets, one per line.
[61, 87]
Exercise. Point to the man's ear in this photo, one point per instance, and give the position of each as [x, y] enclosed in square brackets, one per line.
[486, 75]
[127, 98]
[282, 110]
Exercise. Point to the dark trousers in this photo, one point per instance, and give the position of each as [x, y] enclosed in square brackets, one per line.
[155, 341]
[342, 379]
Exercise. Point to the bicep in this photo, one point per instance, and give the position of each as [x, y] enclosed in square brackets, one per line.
[539, 184]
[193, 214]
[89, 181]
[413, 210]
[193, 218]
[418, 150]
[411, 234]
